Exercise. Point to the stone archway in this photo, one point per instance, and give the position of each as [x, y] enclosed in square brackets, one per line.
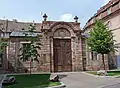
[62, 33]
[62, 54]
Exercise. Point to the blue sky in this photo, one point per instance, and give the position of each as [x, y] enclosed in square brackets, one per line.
[58, 10]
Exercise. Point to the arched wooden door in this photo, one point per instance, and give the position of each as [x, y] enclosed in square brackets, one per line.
[62, 55]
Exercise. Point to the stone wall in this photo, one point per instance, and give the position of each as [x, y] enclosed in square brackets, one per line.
[97, 64]
[44, 59]
[77, 60]
[11, 56]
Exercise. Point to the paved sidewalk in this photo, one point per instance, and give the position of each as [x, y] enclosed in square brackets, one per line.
[81, 80]
[1, 79]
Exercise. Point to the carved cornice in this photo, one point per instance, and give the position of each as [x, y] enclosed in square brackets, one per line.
[61, 23]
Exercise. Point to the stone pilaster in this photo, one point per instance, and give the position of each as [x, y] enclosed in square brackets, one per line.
[73, 52]
[78, 55]
[51, 55]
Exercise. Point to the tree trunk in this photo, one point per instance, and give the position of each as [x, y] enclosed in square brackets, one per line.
[103, 61]
[30, 65]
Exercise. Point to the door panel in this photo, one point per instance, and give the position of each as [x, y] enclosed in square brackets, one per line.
[62, 55]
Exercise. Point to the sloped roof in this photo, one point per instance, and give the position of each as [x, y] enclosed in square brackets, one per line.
[14, 26]
[17, 26]
[22, 34]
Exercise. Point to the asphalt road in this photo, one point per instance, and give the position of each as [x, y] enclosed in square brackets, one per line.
[113, 86]
[81, 80]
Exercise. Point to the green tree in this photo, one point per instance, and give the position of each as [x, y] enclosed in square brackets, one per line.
[101, 39]
[3, 45]
[29, 51]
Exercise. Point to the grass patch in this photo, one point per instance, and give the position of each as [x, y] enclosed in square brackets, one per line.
[110, 73]
[93, 73]
[32, 81]
[113, 73]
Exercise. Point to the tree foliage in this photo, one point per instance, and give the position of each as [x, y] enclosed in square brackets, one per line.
[29, 51]
[101, 39]
[3, 44]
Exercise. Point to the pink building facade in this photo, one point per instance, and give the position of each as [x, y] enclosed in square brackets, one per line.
[110, 14]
